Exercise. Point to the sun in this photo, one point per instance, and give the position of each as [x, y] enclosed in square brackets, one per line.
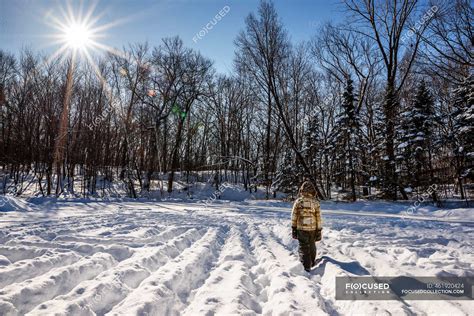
[78, 31]
[77, 36]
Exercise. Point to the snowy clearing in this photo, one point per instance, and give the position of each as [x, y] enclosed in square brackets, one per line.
[157, 258]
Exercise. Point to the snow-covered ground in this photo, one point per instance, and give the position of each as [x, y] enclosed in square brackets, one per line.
[168, 258]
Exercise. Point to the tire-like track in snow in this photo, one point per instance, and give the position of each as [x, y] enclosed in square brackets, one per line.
[173, 259]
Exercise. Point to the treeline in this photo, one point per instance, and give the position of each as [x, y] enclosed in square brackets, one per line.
[382, 103]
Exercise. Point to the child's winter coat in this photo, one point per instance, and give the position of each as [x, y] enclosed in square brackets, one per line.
[306, 214]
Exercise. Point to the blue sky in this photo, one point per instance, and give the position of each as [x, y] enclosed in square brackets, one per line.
[22, 22]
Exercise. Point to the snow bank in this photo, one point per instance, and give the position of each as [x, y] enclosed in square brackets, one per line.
[9, 203]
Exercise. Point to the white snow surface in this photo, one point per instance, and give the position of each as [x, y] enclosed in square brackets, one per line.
[8, 203]
[222, 258]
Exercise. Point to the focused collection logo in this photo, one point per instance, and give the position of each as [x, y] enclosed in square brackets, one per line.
[406, 288]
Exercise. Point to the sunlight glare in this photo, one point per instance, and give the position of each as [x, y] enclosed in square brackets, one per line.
[77, 36]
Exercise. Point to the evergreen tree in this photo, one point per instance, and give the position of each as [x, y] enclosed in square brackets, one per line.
[404, 148]
[286, 177]
[347, 139]
[374, 147]
[462, 139]
[415, 140]
[310, 145]
[316, 151]
[423, 121]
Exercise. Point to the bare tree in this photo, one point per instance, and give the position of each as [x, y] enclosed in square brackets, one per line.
[265, 48]
[449, 40]
[384, 22]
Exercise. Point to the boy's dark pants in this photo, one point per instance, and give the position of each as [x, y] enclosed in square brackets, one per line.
[307, 248]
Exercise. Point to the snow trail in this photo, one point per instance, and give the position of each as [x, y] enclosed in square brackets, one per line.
[25, 295]
[98, 295]
[165, 291]
[230, 286]
[29, 268]
[182, 258]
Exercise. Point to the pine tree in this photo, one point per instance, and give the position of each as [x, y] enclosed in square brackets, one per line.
[286, 177]
[374, 147]
[404, 155]
[347, 139]
[463, 131]
[415, 139]
[310, 145]
[316, 151]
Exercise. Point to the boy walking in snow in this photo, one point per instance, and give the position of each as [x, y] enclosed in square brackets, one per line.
[306, 224]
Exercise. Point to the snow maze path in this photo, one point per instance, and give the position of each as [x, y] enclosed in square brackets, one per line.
[172, 259]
